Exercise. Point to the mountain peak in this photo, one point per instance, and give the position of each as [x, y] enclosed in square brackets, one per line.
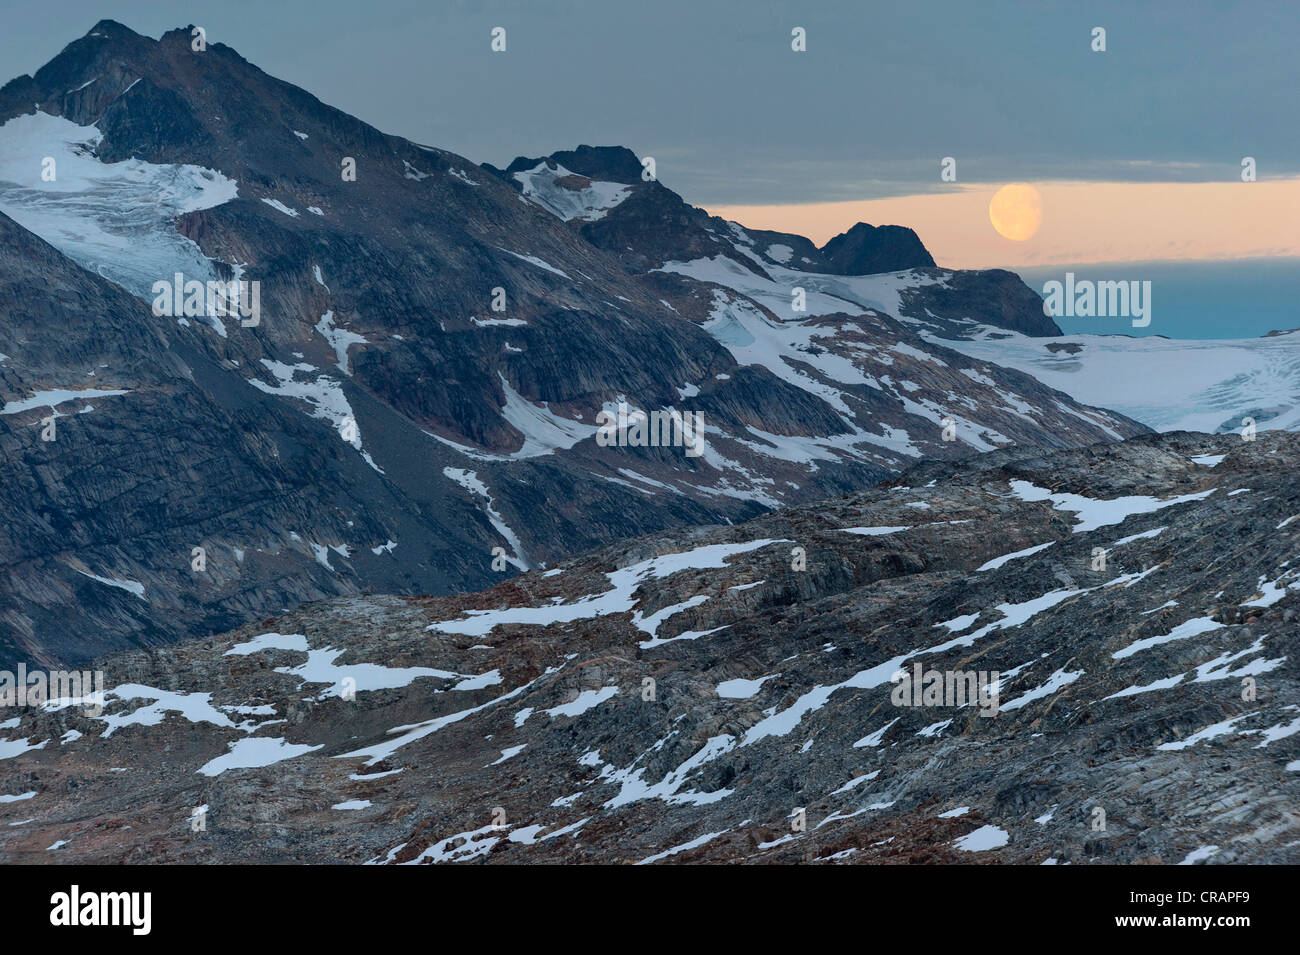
[605, 163]
[866, 249]
[111, 28]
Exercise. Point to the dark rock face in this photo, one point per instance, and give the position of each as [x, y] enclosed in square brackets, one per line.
[603, 163]
[966, 300]
[384, 427]
[161, 449]
[866, 249]
[654, 226]
[730, 693]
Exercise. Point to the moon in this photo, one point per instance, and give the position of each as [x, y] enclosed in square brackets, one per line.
[1016, 211]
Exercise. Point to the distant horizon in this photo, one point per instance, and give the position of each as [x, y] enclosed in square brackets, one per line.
[1091, 223]
[1193, 300]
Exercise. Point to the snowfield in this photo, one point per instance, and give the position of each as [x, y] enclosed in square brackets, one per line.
[588, 203]
[115, 219]
[1167, 384]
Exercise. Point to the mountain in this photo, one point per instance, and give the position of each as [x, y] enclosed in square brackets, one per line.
[706, 695]
[601, 192]
[865, 249]
[616, 203]
[416, 405]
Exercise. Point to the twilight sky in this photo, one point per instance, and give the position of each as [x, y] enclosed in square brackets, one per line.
[739, 123]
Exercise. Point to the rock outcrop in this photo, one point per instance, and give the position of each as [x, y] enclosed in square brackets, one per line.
[732, 694]
[867, 249]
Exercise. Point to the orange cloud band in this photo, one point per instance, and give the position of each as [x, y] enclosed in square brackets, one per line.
[1081, 222]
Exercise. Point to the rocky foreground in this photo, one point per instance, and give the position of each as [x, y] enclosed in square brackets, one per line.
[724, 694]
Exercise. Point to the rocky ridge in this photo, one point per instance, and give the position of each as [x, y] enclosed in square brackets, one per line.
[725, 694]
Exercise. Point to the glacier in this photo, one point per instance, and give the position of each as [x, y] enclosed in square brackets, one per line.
[115, 219]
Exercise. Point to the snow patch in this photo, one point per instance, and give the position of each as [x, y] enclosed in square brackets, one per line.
[114, 219]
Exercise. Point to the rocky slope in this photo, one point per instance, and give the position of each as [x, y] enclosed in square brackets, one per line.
[602, 193]
[724, 694]
[383, 426]
[619, 204]
[157, 448]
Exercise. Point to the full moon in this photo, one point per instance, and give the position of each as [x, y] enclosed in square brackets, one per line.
[1016, 211]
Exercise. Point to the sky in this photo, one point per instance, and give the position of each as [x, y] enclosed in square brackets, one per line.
[1136, 150]
[1082, 221]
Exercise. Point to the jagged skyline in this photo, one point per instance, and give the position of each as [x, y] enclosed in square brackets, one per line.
[714, 91]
